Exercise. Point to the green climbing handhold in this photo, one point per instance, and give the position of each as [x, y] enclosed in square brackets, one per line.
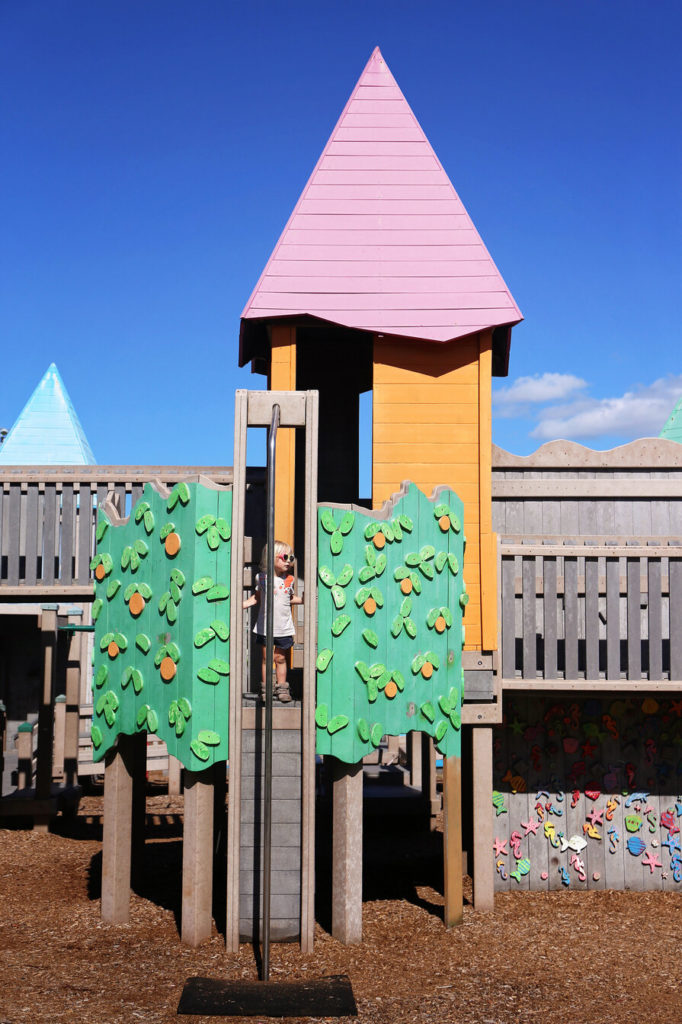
[143, 642]
[362, 670]
[113, 588]
[185, 707]
[209, 737]
[440, 730]
[444, 704]
[323, 659]
[405, 522]
[345, 576]
[142, 713]
[428, 711]
[336, 542]
[204, 636]
[410, 628]
[337, 722]
[213, 538]
[366, 573]
[202, 584]
[222, 630]
[220, 666]
[96, 609]
[223, 528]
[218, 593]
[464, 599]
[441, 559]
[327, 577]
[207, 675]
[183, 493]
[381, 564]
[203, 523]
[361, 596]
[321, 716]
[398, 679]
[376, 734]
[102, 527]
[141, 548]
[178, 577]
[363, 729]
[152, 720]
[96, 736]
[148, 520]
[453, 563]
[138, 682]
[347, 521]
[101, 676]
[327, 521]
[200, 750]
[340, 623]
[338, 597]
[370, 530]
[166, 529]
[370, 637]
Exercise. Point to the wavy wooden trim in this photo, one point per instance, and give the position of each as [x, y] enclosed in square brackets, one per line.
[644, 453]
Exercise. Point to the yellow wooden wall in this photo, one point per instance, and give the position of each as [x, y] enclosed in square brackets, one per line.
[432, 425]
[282, 377]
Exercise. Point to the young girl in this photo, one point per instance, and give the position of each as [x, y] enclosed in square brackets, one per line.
[283, 623]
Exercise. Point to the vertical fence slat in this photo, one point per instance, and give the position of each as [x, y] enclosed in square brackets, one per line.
[570, 618]
[49, 527]
[675, 576]
[14, 524]
[612, 618]
[508, 618]
[591, 618]
[83, 533]
[634, 618]
[66, 536]
[549, 600]
[528, 603]
[655, 618]
[31, 562]
[135, 494]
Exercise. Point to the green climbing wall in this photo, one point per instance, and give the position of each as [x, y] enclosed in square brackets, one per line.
[162, 614]
[390, 634]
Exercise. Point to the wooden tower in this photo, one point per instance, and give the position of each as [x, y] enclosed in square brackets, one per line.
[380, 281]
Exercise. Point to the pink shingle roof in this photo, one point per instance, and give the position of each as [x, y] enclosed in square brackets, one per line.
[379, 239]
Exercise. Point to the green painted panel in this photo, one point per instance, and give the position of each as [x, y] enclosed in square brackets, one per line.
[390, 656]
[151, 673]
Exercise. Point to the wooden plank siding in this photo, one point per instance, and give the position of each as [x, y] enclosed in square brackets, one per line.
[431, 425]
[282, 377]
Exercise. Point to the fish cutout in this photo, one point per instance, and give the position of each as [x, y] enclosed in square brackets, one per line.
[650, 706]
[633, 822]
[576, 843]
[498, 804]
[522, 868]
[592, 794]
[570, 744]
[565, 877]
[636, 798]
[636, 846]
[517, 783]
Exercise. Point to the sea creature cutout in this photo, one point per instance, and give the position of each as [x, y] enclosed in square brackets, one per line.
[536, 757]
[522, 868]
[651, 819]
[515, 844]
[636, 846]
[611, 805]
[530, 826]
[500, 847]
[540, 811]
[630, 772]
[579, 866]
[565, 877]
[633, 822]
[576, 843]
[502, 870]
[676, 865]
[553, 809]
[592, 794]
[575, 797]
[614, 839]
[636, 798]
[610, 726]
[651, 861]
[673, 843]
[517, 783]
[498, 803]
[596, 817]
[591, 831]
[550, 834]
[668, 821]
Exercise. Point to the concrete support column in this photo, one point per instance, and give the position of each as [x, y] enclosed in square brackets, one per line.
[347, 852]
[414, 758]
[117, 831]
[482, 758]
[174, 776]
[197, 858]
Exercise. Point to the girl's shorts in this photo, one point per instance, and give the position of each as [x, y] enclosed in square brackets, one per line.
[283, 642]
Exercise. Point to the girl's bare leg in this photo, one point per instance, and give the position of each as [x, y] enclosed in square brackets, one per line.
[281, 675]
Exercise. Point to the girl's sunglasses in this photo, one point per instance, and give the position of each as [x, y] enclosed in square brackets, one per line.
[287, 558]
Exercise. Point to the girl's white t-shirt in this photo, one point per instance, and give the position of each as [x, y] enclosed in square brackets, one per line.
[283, 623]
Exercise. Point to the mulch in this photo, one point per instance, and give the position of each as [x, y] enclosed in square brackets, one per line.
[580, 957]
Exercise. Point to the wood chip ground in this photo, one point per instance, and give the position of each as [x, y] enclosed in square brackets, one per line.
[592, 957]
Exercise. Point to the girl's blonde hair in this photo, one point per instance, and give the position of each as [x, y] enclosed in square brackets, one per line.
[280, 549]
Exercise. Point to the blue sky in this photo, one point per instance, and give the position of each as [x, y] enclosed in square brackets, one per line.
[152, 151]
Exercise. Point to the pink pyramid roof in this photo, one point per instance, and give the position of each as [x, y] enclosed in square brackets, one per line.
[379, 239]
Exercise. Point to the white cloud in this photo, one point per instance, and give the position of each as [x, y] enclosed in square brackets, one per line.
[639, 413]
[545, 387]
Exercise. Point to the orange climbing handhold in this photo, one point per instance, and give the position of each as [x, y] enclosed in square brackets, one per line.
[172, 544]
[167, 669]
[440, 624]
[390, 690]
[379, 540]
[136, 604]
[100, 572]
[406, 586]
[444, 523]
[427, 670]
[113, 649]
[370, 606]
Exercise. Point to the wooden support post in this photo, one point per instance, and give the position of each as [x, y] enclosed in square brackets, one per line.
[24, 756]
[452, 840]
[347, 852]
[429, 787]
[73, 684]
[197, 858]
[59, 728]
[174, 776]
[117, 832]
[139, 805]
[482, 765]
[48, 632]
[414, 758]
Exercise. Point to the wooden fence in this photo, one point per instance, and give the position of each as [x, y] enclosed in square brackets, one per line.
[589, 611]
[48, 516]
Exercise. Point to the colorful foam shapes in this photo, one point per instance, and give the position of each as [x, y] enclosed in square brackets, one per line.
[636, 846]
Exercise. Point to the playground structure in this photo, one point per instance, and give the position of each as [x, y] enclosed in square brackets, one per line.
[572, 569]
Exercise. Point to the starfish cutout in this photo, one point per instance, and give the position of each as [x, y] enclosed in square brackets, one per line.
[517, 727]
[651, 860]
[530, 826]
[500, 846]
[596, 817]
[589, 748]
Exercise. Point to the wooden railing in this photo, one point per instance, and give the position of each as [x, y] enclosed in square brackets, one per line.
[48, 516]
[591, 612]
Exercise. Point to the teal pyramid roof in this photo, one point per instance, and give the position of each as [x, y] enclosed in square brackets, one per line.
[672, 431]
[48, 431]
